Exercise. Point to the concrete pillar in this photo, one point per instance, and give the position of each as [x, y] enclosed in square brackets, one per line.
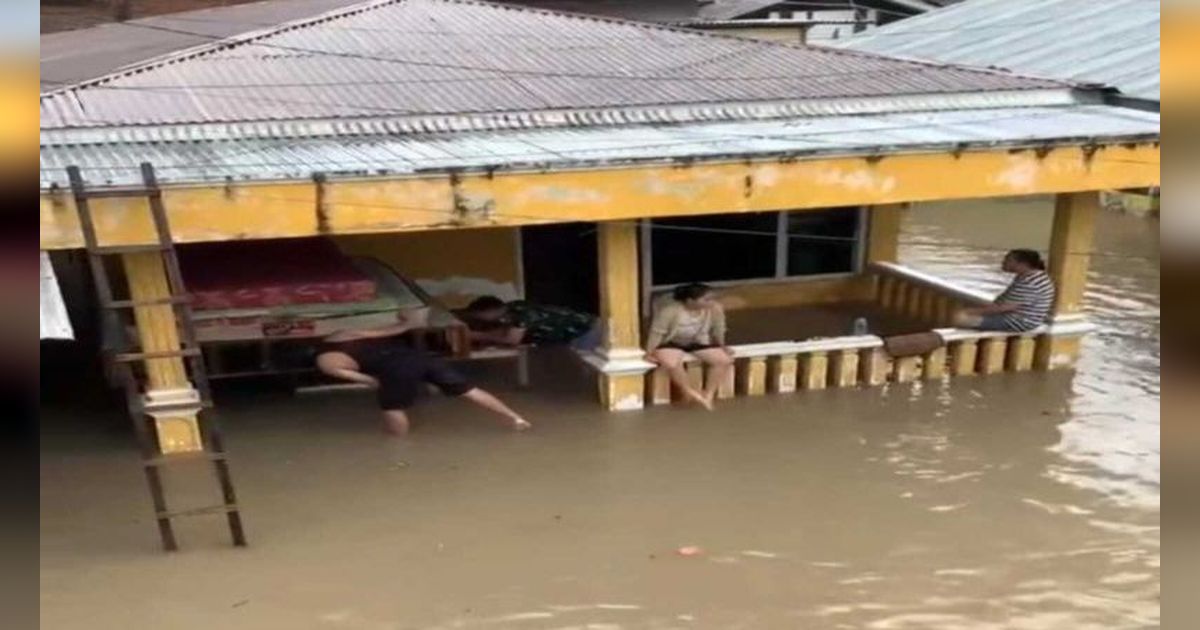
[167, 381]
[883, 232]
[618, 259]
[1070, 256]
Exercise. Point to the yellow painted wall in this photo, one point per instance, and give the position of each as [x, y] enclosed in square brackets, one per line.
[454, 266]
[433, 202]
[789, 293]
[797, 293]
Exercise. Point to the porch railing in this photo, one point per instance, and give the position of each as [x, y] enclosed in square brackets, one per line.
[788, 366]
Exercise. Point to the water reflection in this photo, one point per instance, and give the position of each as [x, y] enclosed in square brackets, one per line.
[1110, 442]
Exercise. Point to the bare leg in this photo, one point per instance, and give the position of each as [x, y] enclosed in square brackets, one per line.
[342, 366]
[493, 404]
[967, 319]
[721, 364]
[395, 422]
[672, 359]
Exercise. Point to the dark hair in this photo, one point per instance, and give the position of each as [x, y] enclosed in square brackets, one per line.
[485, 303]
[1029, 257]
[693, 291]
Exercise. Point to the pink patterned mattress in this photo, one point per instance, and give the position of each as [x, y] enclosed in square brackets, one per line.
[271, 273]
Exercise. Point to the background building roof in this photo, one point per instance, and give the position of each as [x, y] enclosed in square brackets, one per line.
[399, 58]
[1114, 42]
[733, 9]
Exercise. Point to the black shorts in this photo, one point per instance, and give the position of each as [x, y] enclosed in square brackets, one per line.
[689, 347]
[402, 372]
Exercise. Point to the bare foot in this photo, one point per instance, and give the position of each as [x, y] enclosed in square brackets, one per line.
[521, 424]
[702, 400]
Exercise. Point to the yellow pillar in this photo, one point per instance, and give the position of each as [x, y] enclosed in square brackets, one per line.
[781, 374]
[962, 357]
[659, 385]
[752, 376]
[887, 291]
[872, 366]
[166, 379]
[1070, 248]
[991, 355]
[815, 370]
[934, 365]
[618, 253]
[1020, 354]
[843, 368]
[905, 370]
[725, 389]
[618, 260]
[1070, 255]
[883, 234]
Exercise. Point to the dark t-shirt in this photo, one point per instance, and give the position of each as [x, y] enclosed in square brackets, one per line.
[543, 324]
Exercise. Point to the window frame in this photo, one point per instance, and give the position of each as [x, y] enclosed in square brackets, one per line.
[858, 257]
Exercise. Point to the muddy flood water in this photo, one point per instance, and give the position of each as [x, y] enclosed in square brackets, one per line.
[1022, 501]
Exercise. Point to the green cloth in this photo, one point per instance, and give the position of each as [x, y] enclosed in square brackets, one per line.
[547, 324]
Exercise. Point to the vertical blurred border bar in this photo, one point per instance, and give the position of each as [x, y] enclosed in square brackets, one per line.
[1180, 229]
[19, 26]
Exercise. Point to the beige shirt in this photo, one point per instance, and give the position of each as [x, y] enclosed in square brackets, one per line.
[674, 323]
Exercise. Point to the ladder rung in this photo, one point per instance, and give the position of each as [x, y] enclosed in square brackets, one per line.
[178, 458]
[118, 193]
[128, 249]
[212, 509]
[187, 406]
[177, 299]
[127, 357]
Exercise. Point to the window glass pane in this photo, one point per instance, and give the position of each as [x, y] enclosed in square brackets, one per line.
[714, 248]
[821, 241]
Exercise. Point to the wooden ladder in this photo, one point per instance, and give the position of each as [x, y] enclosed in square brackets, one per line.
[123, 359]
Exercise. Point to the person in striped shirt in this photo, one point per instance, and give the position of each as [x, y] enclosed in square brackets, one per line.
[1024, 305]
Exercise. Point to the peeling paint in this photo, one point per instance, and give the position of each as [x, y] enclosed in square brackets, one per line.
[562, 194]
[1019, 177]
[861, 179]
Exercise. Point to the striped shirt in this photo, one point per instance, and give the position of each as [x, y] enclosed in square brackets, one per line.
[1033, 294]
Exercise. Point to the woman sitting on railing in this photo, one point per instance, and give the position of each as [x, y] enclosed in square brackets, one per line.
[1023, 306]
[693, 323]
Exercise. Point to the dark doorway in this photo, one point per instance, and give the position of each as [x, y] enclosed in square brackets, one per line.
[561, 266]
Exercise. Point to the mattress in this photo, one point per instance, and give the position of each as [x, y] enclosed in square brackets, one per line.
[278, 272]
[394, 295]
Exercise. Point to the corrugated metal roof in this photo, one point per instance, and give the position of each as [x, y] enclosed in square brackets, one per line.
[1114, 42]
[413, 57]
[113, 163]
[74, 56]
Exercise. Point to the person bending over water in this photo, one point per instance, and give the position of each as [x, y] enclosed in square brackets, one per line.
[1023, 306]
[377, 358]
[692, 323]
[494, 321]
